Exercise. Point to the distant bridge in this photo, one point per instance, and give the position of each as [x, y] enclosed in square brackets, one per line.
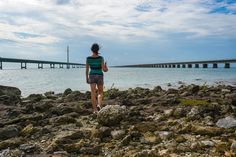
[188, 64]
[40, 63]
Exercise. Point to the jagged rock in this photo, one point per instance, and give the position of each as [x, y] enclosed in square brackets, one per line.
[164, 135]
[194, 89]
[227, 122]
[35, 97]
[93, 150]
[11, 153]
[110, 115]
[208, 143]
[157, 89]
[150, 137]
[7, 90]
[29, 148]
[8, 132]
[117, 134]
[74, 96]
[60, 120]
[9, 95]
[102, 132]
[210, 131]
[67, 92]
[11, 143]
[28, 130]
[180, 139]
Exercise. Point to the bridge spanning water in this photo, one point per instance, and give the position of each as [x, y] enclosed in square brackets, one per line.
[189, 64]
[24, 62]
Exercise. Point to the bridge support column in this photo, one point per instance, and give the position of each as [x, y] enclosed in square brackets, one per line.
[23, 65]
[169, 66]
[1, 65]
[205, 65]
[227, 65]
[68, 66]
[196, 65]
[173, 66]
[162, 66]
[189, 65]
[60, 65]
[183, 66]
[215, 65]
[40, 65]
[73, 66]
[52, 65]
[178, 66]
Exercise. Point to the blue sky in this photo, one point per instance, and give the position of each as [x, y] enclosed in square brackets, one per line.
[129, 32]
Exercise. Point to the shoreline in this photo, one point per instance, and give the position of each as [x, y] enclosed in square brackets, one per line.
[191, 119]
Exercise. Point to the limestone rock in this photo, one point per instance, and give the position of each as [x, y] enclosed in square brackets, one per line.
[117, 134]
[8, 132]
[67, 92]
[227, 122]
[110, 115]
[6, 90]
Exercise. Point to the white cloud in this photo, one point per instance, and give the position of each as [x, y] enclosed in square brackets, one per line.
[56, 20]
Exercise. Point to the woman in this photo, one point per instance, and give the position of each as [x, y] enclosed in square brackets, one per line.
[94, 76]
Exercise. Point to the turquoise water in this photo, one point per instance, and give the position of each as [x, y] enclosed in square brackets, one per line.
[42, 80]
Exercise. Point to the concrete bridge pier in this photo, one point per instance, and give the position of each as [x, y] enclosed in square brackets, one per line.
[196, 65]
[52, 65]
[178, 66]
[68, 66]
[60, 65]
[183, 66]
[173, 65]
[227, 65]
[23, 65]
[169, 66]
[215, 65]
[189, 65]
[73, 66]
[162, 66]
[205, 65]
[1, 65]
[40, 65]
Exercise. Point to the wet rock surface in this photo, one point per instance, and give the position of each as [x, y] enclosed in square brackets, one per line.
[189, 121]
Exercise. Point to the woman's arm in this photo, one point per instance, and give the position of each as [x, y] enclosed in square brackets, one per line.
[104, 66]
[87, 70]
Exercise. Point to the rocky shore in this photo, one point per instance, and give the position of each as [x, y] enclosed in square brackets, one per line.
[189, 121]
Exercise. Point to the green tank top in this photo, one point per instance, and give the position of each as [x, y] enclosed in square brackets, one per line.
[95, 64]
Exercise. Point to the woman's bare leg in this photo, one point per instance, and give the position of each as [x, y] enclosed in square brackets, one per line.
[100, 94]
[93, 96]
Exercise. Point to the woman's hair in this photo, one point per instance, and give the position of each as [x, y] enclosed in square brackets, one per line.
[95, 48]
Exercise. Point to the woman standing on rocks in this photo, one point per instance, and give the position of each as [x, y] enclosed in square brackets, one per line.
[95, 66]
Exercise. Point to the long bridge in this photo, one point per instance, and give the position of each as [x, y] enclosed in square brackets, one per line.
[24, 62]
[188, 64]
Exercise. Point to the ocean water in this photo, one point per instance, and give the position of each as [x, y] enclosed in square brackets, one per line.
[42, 80]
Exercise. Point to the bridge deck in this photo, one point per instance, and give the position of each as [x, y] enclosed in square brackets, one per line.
[179, 63]
[15, 60]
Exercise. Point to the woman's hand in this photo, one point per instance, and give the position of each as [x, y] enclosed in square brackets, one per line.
[105, 69]
[87, 80]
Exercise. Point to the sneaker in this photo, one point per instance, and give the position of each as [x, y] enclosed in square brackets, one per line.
[98, 107]
[95, 112]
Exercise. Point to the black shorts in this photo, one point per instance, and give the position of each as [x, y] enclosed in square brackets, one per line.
[97, 79]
